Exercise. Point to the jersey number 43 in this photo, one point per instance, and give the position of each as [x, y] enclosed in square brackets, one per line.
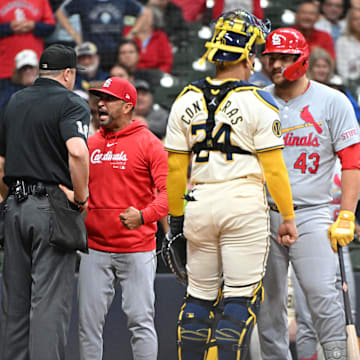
[308, 163]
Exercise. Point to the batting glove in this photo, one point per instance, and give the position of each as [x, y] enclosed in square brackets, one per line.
[341, 232]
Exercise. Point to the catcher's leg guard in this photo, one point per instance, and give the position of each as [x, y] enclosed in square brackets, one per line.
[195, 325]
[234, 328]
[335, 350]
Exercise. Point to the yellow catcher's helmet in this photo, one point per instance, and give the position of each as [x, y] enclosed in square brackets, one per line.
[235, 36]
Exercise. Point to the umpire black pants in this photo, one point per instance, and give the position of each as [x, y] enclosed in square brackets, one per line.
[37, 285]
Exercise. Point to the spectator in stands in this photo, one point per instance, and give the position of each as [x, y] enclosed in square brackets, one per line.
[321, 69]
[93, 104]
[155, 47]
[332, 18]
[88, 58]
[128, 54]
[68, 37]
[307, 15]
[102, 23]
[122, 71]
[175, 25]
[156, 117]
[261, 78]
[25, 73]
[200, 9]
[23, 25]
[94, 121]
[193, 11]
[348, 50]
[321, 66]
[252, 6]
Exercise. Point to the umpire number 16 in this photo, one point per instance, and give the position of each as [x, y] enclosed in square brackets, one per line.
[82, 129]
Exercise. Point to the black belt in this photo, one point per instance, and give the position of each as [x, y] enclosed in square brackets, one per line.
[21, 190]
[295, 207]
[273, 207]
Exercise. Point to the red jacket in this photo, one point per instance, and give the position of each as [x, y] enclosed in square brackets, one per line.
[157, 54]
[321, 39]
[193, 10]
[38, 11]
[127, 168]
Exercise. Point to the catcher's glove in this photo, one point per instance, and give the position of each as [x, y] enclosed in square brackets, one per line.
[173, 250]
[173, 253]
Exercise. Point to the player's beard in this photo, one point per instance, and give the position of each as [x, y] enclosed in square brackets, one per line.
[108, 122]
[279, 81]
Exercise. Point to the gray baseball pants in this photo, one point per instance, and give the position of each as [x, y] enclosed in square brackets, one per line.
[99, 272]
[306, 338]
[315, 266]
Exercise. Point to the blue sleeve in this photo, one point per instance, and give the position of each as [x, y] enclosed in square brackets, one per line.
[2, 134]
[73, 6]
[267, 97]
[43, 30]
[354, 104]
[134, 8]
[5, 30]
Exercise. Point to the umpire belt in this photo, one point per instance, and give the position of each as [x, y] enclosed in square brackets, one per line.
[20, 189]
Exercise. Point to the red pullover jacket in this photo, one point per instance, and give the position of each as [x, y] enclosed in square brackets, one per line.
[127, 168]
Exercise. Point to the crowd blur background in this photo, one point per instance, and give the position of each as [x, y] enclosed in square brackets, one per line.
[157, 44]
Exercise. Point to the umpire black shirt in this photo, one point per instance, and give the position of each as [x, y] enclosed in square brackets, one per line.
[34, 127]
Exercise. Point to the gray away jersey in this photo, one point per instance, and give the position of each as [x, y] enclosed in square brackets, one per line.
[315, 126]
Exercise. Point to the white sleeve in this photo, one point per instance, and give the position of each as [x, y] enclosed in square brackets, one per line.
[175, 139]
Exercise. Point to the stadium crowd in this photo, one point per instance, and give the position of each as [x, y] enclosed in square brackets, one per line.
[154, 46]
[153, 40]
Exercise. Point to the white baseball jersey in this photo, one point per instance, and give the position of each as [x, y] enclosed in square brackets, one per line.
[315, 126]
[247, 117]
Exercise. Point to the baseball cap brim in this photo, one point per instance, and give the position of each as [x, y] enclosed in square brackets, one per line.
[98, 92]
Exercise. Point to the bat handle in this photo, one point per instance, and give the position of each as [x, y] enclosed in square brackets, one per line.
[347, 306]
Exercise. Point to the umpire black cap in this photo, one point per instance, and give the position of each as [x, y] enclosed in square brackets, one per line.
[58, 57]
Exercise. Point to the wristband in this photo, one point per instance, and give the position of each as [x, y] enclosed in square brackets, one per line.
[176, 224]
[81, 203]
[142, 217]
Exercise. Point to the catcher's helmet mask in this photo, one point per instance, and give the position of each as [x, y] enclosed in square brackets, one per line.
[289, 41]
[236, 34]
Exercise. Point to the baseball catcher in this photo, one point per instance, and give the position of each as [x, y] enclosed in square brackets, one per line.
[230, 130]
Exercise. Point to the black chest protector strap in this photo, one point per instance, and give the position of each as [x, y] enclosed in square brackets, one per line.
[214, 95]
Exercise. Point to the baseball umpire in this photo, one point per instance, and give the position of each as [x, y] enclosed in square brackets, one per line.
[318, 124]
[43, 133]
[233, 131]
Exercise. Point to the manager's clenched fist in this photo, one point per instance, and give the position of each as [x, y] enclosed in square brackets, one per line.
[131, 218]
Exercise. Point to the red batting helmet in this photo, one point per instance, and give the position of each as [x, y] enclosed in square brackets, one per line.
[289, 41]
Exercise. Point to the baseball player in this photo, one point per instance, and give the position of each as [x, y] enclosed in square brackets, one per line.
[233, 131]
[306, 339]
[318, 125]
